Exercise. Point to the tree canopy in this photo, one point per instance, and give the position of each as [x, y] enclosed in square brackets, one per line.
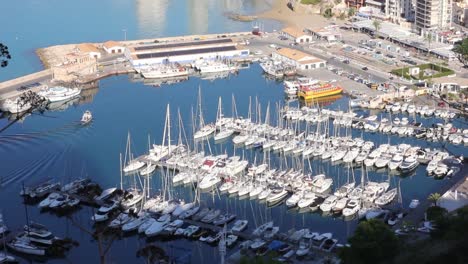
[462, 52]
[372, 242]
[4, 55]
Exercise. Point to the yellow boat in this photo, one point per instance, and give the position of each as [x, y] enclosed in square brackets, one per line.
[320, 90]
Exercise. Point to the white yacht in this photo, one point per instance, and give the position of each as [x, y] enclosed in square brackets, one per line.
[352, 207]
[320, 183]
[215, 67]
[395, 162]
[15, 106]
[133, 165]
[307, 199]
[209, 181]
[409, 164]
[329, 202]
[277, 195]
[59, 93]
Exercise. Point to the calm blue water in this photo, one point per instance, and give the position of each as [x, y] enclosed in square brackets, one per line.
[54, 145]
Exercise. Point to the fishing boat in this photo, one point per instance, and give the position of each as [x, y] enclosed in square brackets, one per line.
[318, 90]
[59, 93]
[86, 117]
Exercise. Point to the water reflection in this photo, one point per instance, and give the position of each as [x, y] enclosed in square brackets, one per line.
[151, 16]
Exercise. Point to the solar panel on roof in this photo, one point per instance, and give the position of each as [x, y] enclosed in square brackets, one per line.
[183, 44]
[183, 52]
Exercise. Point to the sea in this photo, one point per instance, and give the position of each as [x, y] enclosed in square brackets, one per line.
[53, 145]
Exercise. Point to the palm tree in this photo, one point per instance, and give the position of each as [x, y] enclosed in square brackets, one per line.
[377, 25]
[434, 197]
[428, 38]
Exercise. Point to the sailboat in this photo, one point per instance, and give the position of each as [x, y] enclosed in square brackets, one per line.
[133, 165]
[224, 132]
[204, 130]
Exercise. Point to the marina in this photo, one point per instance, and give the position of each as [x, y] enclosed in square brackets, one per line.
[222, 141]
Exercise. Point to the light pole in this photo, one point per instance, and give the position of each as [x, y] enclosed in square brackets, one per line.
[125, 33]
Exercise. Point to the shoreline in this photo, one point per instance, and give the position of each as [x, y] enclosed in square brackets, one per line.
[302, 17]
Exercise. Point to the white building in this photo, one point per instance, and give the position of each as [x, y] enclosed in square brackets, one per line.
[297, 35]
[299, 59]
[433, 14]
[89, 49]
[185, 52]
[113, 47]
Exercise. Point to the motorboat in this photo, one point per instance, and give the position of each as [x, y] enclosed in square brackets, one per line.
[264, 194]
[374, 213]
[340, 205]
[59, 201]
[190, 230]
[344, 190]
[209, 181]
[320, 183]
[105, 194]
[396, 161]
[262, 228]
[38, 233]
[158, 225]
[202, 213]
[329, 202]
[59, 93]
[231, 240]
[120, 220]
[270, 232]
[135, 223]
[409, 164]
[352, 207]
[414, 203]
[75, 185]
[181, 208]
[224, 218]
[294, 199]
[190, 212]
[173, 226]
[239, 225]
[387, 197]
[211, 216]
[307, 200]
[86, 117]
[257, 243]
[276, 196]
[146, 224]
[317, 241]
[50, 198]
[304, 247]
[314, 206]
[25, 245]
[329, 244]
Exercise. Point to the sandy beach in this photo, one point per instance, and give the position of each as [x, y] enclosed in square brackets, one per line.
[302, 17]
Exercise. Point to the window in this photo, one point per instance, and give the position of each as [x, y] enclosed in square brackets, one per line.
[307, 67]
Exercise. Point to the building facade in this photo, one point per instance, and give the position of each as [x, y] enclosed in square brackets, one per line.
[113, 47]
[355, 3]
[299, 59]
[433, 14]
[296, 34]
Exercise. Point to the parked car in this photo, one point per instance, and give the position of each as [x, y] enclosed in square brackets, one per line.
[365, 68]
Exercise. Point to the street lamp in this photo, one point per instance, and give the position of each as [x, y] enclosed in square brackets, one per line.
[125, 33]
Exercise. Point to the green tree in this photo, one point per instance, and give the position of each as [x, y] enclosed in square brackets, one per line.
[351, 11]
[377, 26]
[372, 242]
[328, 13]
[4, 55]
[462, 52]
[434, 197]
